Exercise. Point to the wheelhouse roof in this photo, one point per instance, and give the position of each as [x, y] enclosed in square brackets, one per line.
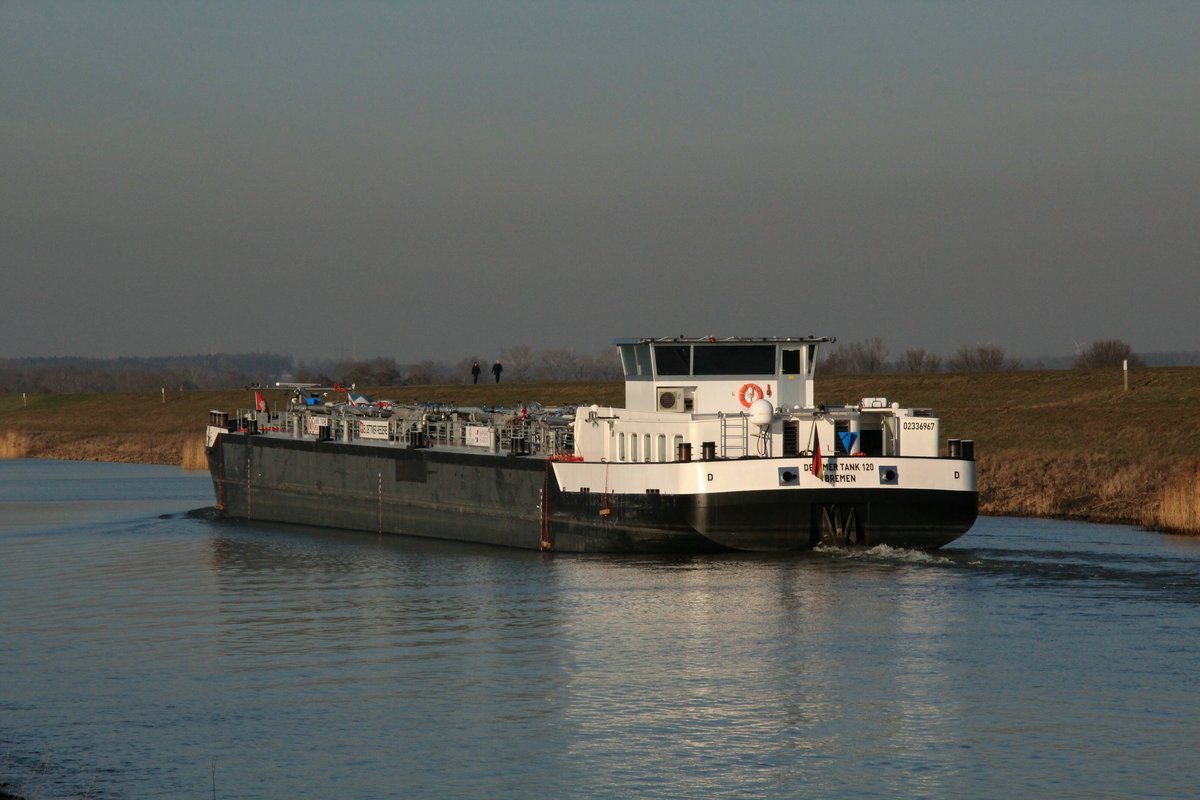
[728, 340]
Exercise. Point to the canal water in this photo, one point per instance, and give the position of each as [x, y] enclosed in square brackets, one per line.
[149, 652]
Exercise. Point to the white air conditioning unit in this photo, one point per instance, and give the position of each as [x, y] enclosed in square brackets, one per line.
[670, 400]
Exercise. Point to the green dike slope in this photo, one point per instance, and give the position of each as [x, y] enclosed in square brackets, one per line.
[1066, 444]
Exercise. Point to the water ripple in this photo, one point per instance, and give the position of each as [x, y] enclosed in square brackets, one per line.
[139, 652]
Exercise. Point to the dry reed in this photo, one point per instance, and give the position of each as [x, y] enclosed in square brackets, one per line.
[1177, 509]
[14, 444]
[192, 456]
[1097, 487]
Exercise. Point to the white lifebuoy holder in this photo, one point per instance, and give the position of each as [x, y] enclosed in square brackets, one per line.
[749, 393]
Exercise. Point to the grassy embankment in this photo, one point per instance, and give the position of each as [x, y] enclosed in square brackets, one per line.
[1066, 444]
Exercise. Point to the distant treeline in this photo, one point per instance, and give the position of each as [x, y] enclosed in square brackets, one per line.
[70, 375]
[522, 364]
[872, 356]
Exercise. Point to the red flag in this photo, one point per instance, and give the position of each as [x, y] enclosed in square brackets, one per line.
[817, 469]
[260, 402]
[350, 398]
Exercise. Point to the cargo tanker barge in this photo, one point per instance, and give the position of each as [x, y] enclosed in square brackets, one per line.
[719, 447]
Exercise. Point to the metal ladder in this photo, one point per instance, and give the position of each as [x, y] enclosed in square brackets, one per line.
[735, 436]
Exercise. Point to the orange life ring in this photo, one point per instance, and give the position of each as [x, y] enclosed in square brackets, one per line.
[747, 387]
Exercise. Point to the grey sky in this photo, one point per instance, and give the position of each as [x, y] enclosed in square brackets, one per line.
[436, 180]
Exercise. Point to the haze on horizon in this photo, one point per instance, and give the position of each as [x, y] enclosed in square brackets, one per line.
[436, 180]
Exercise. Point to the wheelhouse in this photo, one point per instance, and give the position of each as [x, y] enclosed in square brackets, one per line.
[709, 375]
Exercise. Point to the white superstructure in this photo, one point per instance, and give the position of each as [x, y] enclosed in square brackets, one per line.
[730, 398]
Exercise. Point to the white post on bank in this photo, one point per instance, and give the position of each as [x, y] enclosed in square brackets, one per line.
[1125, 369]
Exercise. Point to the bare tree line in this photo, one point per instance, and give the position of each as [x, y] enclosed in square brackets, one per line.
[522, 364]
[224, 371]
[71, 375]
[870, 356]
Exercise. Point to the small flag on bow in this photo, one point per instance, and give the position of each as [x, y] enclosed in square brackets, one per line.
[817, 469]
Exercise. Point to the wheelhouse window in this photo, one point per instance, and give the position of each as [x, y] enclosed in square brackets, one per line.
[735, 359]
[673, 359]
[790, 362]
[635, 360]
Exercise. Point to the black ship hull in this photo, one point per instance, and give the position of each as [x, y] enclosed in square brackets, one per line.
[515, 501]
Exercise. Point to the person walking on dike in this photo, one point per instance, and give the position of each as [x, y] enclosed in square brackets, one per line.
[475, 371]
[496, 370]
